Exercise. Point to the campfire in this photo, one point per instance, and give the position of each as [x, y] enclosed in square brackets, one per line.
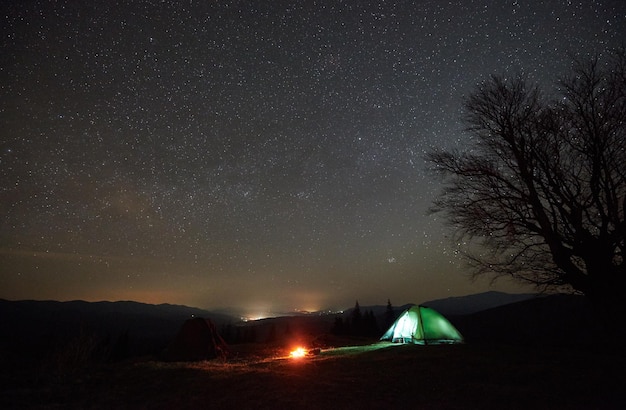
[298, 353]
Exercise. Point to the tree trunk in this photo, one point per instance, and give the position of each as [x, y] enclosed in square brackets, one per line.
[607, 295]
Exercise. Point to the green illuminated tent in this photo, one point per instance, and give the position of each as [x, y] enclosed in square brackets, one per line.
[422, 325]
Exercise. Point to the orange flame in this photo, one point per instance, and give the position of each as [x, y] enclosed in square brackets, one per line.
[298, 353]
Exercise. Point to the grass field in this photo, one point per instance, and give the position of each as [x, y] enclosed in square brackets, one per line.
[422, 377]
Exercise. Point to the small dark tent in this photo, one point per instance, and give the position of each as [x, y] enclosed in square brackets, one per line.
[422, 325]
[197, 340]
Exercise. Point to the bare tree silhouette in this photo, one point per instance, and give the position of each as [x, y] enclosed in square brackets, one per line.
[541, 194]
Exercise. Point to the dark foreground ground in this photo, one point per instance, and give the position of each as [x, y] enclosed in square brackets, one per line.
[418, 377]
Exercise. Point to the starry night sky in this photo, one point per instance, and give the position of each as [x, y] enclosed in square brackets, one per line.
[266, 155]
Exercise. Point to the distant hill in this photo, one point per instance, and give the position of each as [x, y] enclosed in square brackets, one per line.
[464, 305]
[556, 320]
[35, 325]
[458, 305]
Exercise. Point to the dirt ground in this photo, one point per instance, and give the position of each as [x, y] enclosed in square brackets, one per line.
[422, 377]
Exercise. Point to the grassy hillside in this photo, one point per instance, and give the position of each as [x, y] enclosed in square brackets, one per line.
[432, 377]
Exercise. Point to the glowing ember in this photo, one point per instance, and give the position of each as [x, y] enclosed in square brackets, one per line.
[297, 353]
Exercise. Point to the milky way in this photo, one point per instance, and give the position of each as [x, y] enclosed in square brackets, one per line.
[251, 153]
